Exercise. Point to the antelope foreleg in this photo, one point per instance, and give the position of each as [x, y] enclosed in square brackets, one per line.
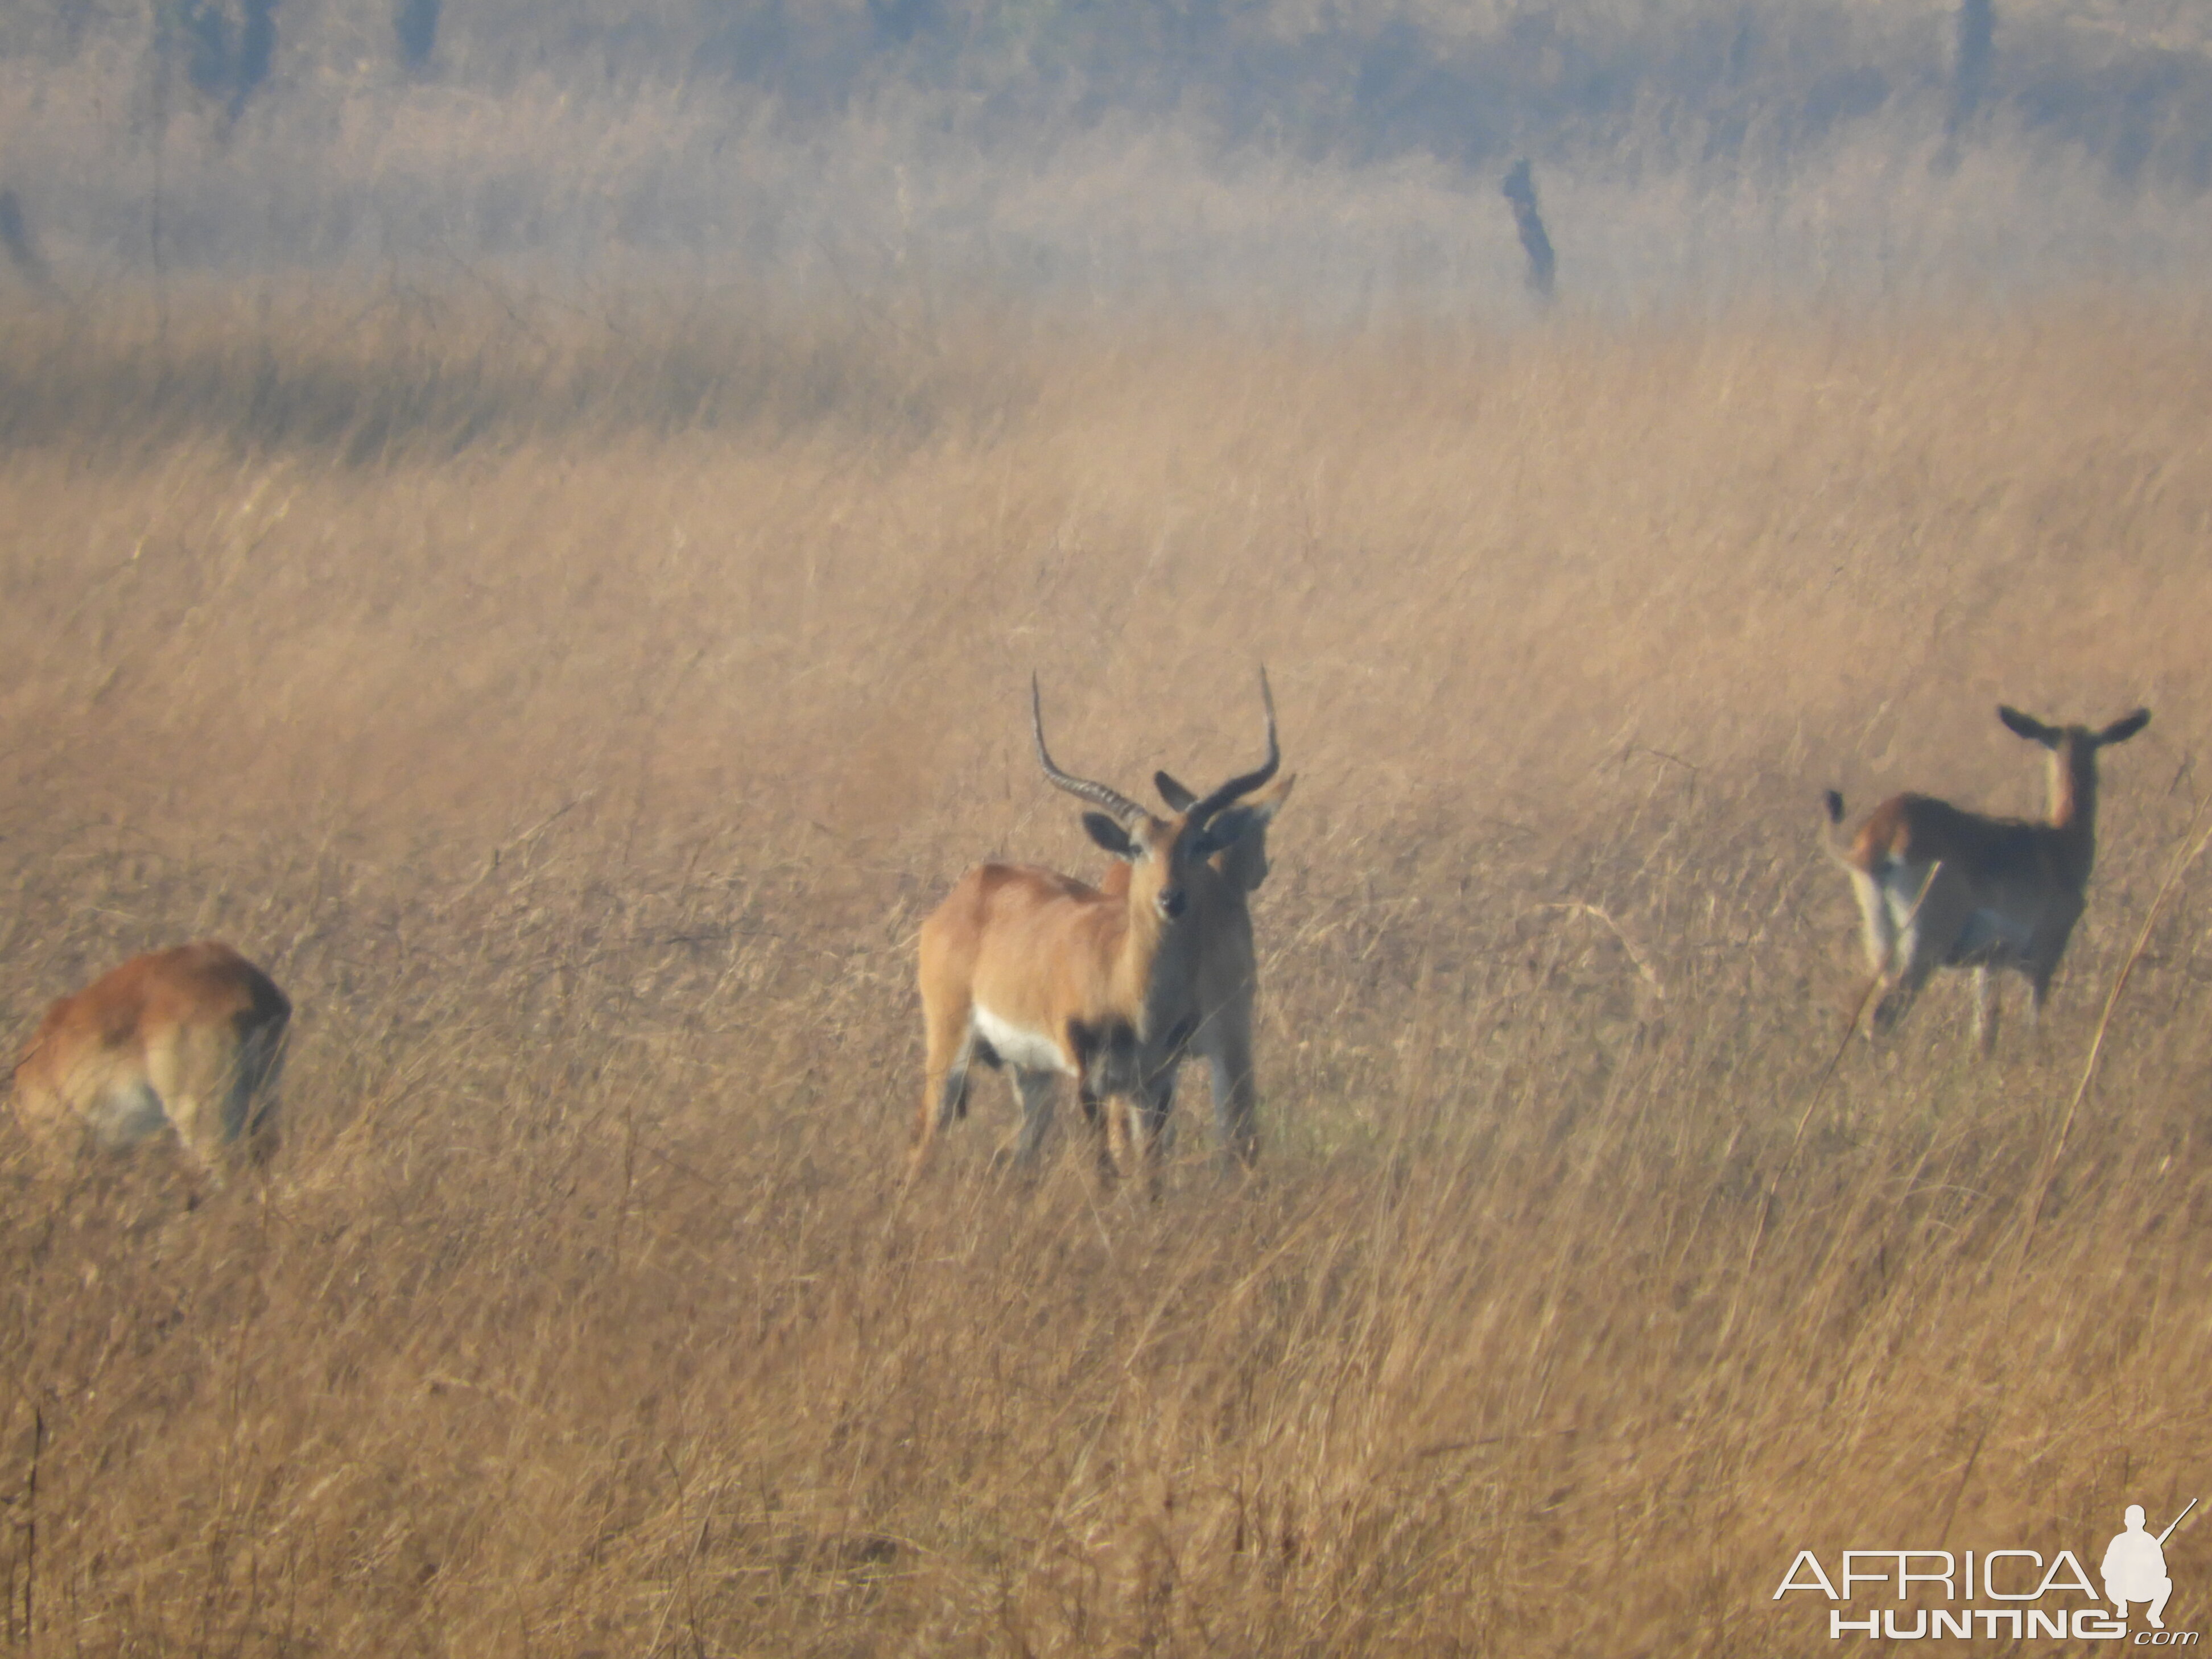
[1235, 1108]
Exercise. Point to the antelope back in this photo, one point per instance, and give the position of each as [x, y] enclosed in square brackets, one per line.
[156, 1042]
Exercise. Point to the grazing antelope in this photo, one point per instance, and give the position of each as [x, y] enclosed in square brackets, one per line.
[189, 1039]
[1027, 968]
[1942, 887]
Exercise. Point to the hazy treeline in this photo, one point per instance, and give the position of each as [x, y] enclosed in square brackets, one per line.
[1316, 150]
[1705, 82]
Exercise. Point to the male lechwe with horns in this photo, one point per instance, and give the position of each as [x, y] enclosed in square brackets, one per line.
[1215, 1024]
[1051, 977]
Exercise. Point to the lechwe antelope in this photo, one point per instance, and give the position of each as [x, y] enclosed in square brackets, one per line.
[189, 1039]
[1215, 1022]
[1041, 973]
[1942, 888]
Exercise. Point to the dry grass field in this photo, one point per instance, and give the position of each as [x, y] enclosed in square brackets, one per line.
[577, 712]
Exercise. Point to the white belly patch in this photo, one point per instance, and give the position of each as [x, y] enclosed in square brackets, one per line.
[1018, 1045]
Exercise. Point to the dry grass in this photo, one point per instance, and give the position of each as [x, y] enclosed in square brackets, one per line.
[579, 743]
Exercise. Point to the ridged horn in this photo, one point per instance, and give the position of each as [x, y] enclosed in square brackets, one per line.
[1230, 791]
[1083, 788]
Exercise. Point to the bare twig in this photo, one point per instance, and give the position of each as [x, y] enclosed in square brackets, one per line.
[1578, 907]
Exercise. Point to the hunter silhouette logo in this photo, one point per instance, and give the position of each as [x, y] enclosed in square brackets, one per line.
[2135, 1566]
[2008, 1595]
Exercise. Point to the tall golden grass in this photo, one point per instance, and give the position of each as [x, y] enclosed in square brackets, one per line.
[576, 713]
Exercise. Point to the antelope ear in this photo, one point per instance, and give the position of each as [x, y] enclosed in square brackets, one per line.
[1265, 803]
[1178, 798]
[2123, 728]
[1110, 835]
[1227, 828]
[2028, 726]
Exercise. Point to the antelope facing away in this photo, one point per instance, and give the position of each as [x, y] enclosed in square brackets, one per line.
[1039, 972]
[190, 1039]
[1939, 887]
[1215, 1022]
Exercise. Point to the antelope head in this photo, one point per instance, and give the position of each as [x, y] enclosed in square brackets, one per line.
[1160, 852]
